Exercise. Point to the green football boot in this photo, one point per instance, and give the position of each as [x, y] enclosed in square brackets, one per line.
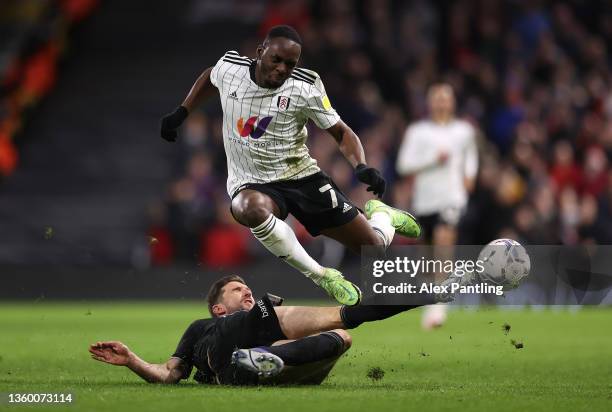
[336, 286]
[404, 223]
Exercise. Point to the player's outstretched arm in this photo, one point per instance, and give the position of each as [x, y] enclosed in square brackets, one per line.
[116, 353]
[351, 148]
[201, 89]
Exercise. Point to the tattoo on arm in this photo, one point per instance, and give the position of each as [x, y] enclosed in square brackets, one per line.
[169, 372]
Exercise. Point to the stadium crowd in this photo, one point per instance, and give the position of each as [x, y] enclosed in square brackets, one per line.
[533, 77]
[32, 39]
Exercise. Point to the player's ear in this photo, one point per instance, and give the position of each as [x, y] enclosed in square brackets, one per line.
[260, 50]
[219, 309]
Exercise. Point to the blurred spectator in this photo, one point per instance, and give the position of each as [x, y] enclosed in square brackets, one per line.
[602, 227]
[587, 229]
[224, 243]
[594, 172]
[546, 224]
[565, 172]
[8, 156]
[33, 36]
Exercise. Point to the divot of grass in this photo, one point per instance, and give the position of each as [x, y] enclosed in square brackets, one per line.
[376, 373]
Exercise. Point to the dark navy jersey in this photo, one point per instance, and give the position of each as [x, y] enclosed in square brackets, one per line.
[186, 350]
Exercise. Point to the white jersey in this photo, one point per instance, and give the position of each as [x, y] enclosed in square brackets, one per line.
[264, 130]
[438, 187]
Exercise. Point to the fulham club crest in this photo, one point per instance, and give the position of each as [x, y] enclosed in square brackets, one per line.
[283, 103]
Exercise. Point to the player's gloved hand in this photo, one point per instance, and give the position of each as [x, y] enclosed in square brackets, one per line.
[372, 177]
[171, 122]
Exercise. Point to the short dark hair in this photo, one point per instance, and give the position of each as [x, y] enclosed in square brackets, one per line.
[285, 31]
[216, 290]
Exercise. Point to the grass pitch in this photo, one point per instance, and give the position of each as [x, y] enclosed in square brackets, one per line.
[470, 363]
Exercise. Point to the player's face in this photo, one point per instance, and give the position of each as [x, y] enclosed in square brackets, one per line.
[278, 57]
[236, 296]
[441, 101]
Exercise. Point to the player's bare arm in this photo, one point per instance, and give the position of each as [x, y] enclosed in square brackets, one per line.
[351, 148]
[348, 142]
[117, 353]
[200, 91]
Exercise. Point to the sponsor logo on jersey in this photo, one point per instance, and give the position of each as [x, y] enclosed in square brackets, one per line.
[251, 129]
[346, 207]
[283, 103]
[262, 307]
[233, 95]
[326, 103]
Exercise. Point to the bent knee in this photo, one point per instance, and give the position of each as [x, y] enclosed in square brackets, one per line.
[252, 210]
[369, 239]
[373, 239]
[346, 338]
[254, 215]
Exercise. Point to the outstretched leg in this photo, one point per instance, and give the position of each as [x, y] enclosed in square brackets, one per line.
[300, 321]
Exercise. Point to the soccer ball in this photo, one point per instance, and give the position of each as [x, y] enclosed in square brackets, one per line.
[505, 263]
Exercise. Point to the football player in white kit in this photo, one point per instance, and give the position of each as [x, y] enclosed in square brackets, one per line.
[441, 154]
[266, 104]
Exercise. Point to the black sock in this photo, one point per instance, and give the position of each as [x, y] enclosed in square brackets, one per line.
[309, 349]
[353, 316]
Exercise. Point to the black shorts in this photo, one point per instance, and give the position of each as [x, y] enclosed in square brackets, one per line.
[240, 330]
[449, 216]
[315, 201]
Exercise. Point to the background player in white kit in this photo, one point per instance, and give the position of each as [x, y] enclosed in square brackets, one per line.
[441, 154]
[266, 104]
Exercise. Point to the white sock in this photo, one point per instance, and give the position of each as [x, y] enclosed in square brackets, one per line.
[279, 238]
[381, 223]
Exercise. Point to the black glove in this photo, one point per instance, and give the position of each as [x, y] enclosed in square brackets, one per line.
[171, 122]
[371, 177]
